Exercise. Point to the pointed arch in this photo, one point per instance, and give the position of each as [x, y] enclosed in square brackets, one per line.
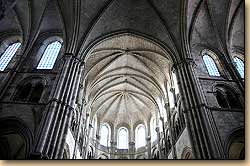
[50, 55]
[8, 54]
[239, 64]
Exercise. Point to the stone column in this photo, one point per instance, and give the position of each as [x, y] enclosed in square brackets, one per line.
[86, 129]
[97, 144]
[79, 127]
[50, 139]
[148, 139]
[169, 124]
[131, 150]
[87, 140]
[172, 90]
[163, 128]
[113, 146]
[158, 141]
[195, 113]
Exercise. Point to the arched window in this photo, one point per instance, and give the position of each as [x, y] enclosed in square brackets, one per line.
[239, 66]
[8, 55]
[175, 84]
[153, 129]
[222, 101]
[233, 100]
[187, 153]
[210, 65]
[140, 136]
[23, 93]
[36, 93]
[49, 56]
[123, 138]
[227, 98]
[170, 96]
[236, 145]
[29, 92]
[105, 135]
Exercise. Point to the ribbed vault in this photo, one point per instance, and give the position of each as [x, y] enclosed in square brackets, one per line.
[125, 77]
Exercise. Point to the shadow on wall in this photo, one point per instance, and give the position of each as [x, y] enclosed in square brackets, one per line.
[15, 139]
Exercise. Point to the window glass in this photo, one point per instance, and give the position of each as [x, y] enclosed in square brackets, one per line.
[221, 99]
[49, 56]
[140, 136]
[123, 138]
[211, 66]
[240, 66]
[153, 130]
[104, 135]
[8, 55]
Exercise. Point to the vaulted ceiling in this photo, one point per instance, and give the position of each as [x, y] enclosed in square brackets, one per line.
[125, 66]
[125, 78]
[169, 21]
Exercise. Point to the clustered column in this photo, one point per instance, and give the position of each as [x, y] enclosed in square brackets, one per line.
[113, 146]
[148, 139]
[193, 110]
[54, 125]
[131, 150]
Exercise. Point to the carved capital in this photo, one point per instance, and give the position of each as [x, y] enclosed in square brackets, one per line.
[81, 87]
[132, 143]
[161, 118]
[98, 137]
[187, 61]
[166, 105]
[172, 90]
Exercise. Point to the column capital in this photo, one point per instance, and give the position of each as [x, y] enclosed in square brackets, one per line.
[186, 61]
[69, 55]
[166, 105]
[161, 118]
[82, 63]
[172, 90]
[113, 142]
[98, 137]
[81, 86]
[131, 143]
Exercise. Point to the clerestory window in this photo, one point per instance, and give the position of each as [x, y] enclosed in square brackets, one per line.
[8, 55]
[140, 136]
[105, 135]
[50, 55]
[239, 66]
[123, 138]
[211, 65]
